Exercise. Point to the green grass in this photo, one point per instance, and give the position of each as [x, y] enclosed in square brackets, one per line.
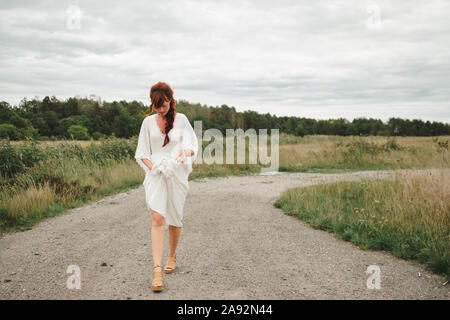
[408, 216]
[339, 154]
[39, 180]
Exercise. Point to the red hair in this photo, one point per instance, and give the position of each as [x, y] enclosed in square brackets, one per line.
[159, 93]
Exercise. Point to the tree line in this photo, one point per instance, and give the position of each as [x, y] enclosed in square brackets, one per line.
[90, 118]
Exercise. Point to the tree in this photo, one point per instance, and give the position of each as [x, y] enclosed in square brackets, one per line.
[300, 131]
[78, 132]
[40, 125]
[124, 124]
[9, 131]
[51, 119]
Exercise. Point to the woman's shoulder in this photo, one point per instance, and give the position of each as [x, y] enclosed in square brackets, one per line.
[145, 121]
[181, 116]
[149, 117]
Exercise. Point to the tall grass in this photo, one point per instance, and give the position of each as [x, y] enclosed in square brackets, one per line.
[78, 171]
[39, 181]
[408, 216]
[333, 153]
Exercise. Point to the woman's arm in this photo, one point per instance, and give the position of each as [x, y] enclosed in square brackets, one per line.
[188, 152]
[143, 149]
[190, 143]
[148, 163]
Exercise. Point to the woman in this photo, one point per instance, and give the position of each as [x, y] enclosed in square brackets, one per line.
[167, 147]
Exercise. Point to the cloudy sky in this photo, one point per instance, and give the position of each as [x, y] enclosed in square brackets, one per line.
[319, 59]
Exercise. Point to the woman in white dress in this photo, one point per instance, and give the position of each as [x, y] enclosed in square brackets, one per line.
[167, 147]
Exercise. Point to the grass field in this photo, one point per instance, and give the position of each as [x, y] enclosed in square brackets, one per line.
[41, 180]
[408, 216]
[336, 154]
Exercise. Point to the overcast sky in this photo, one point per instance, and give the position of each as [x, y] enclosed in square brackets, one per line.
[319, 59]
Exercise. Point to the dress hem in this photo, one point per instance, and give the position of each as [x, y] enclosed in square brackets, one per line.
[165, 219]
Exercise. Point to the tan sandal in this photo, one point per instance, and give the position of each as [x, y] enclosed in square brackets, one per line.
[170, 264]
[157, 283]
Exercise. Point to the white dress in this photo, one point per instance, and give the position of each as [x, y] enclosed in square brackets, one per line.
[166, 185]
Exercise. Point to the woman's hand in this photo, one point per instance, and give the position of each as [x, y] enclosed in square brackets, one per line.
[148, 163]
[183, 154]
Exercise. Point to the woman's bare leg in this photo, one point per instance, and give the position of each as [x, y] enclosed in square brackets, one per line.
[158, 222]
[174, 236]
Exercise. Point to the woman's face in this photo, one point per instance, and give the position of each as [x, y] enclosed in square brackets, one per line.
[164, 108]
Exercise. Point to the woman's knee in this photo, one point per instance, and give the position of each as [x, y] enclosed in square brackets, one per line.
[157, 219]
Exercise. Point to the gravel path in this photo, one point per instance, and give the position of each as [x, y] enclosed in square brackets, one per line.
[234, 245]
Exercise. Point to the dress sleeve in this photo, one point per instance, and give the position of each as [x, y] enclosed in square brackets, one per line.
[143, 149]
[190, 140]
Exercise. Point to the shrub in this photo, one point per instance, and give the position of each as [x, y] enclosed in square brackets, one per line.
[78, 132]
[98, 135]
[16, 159]
[9, 131]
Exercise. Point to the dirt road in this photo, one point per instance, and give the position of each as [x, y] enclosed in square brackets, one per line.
[234, 245]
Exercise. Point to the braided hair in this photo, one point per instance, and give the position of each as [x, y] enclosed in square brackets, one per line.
[159, 93]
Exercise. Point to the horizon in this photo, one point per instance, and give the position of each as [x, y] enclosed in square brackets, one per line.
[218, 106]
[321, 60]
